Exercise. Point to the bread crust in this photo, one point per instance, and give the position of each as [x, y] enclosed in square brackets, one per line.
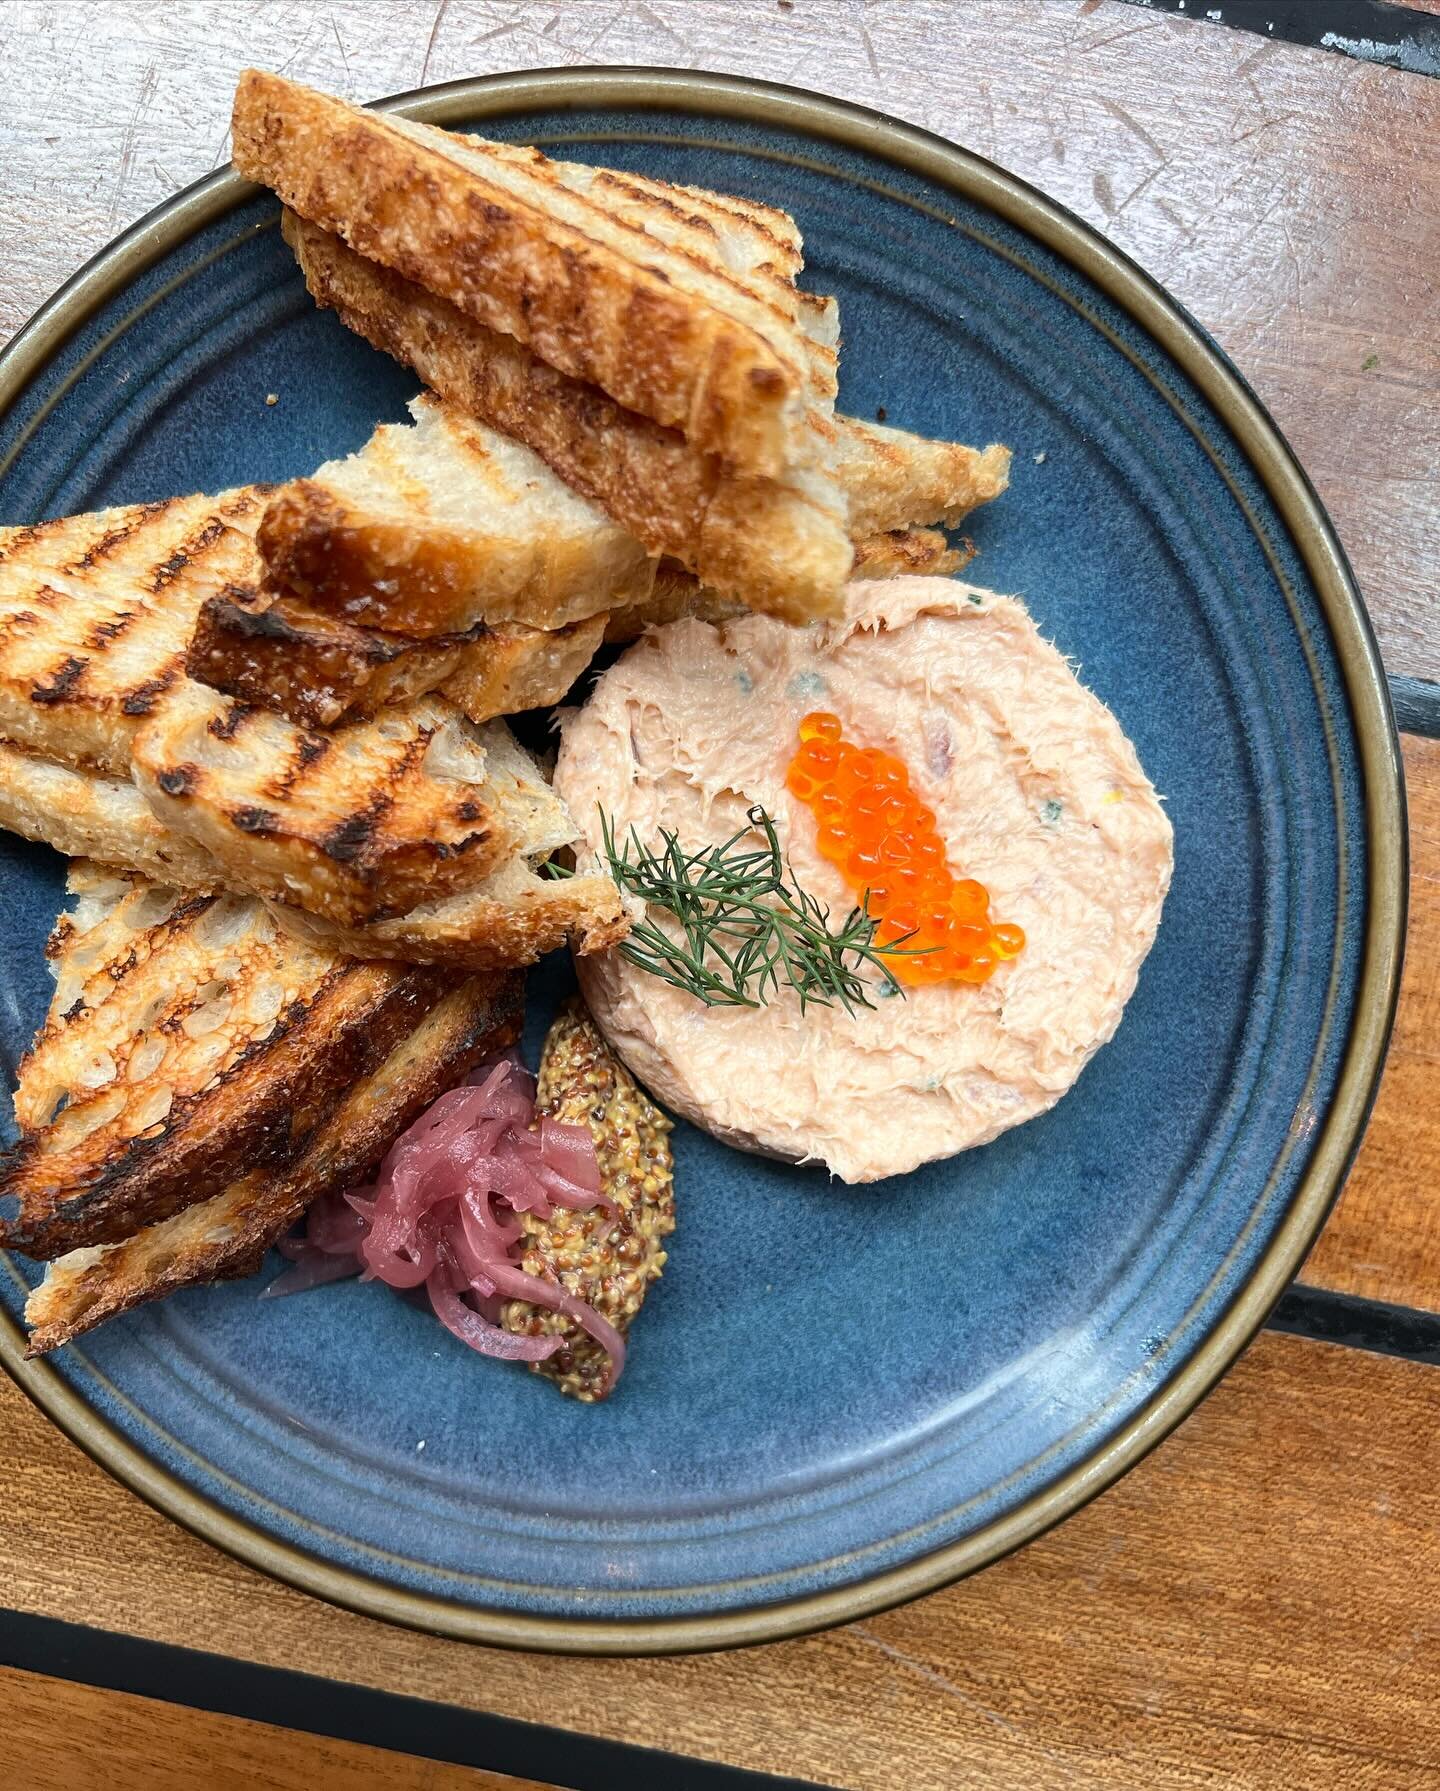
[895, 479]
[773, 545]
[227, 1235]
[515, 921]
[679, 596]
[573, 276]
[282, 653]
[110, 1184]
[440, 526]
[511, 918]
[910, 553]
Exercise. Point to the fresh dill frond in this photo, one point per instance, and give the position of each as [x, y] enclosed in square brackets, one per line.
[741, 926]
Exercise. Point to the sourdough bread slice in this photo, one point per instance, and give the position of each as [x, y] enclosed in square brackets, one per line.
[96, 612]
[621, 283]
[189, 1038]
[96, 616]
[512, 917]
[228, 1234]
[679, 596]
[779, 545]
[91, 814]
[358, 822]
[284, 654]
[895, 479]
[442, 525]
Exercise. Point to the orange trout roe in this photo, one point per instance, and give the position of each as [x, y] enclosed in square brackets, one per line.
[878, 833]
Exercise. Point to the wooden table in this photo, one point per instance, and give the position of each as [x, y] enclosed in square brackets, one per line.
[1258, 1605]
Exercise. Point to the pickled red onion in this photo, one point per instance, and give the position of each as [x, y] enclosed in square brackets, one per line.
[442, 1213]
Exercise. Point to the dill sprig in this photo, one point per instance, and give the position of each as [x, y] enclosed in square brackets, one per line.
[743, 927]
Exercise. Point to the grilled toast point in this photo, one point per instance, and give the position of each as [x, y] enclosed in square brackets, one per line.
[228, 1234]
[616, 282]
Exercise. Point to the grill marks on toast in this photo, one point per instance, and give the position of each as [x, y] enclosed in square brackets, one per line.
[187, 1037]
[228, 1234]
[356, 823]
[363, 822]
[545, 253]
[511, 917]
[679, 596]
[95, 613]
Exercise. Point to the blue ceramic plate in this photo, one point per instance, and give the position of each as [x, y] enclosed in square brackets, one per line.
[837, 1397]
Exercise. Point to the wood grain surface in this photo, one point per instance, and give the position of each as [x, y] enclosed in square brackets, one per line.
[1383, 1240]
[1289, 197]
[1257, 1605]
[77, 1738]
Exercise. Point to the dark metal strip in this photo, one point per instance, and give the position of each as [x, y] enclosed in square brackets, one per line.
[1417, 706]
[1371, 30]
[319, 1706]
[1328, 1317]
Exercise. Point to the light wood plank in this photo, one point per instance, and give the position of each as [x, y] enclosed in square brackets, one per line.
[74, 1737]
[1289, 197]
[1383, 1240]
[1256, 1606]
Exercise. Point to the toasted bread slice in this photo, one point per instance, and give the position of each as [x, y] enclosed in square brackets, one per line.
[96, 611]
[620, 283]
[228, 1234]
[892, 479]
[87, 814]
[283, 654]
[779, 545]
[441, 525]
[361, 822]
[190, 1038]
[679, 596]
[516, 669]
[895, 479]
[512, 917]
[910, 553]
[95, 617]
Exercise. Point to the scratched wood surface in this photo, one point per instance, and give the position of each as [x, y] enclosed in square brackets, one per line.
[1383, 1240]
[1256, 1606]
[79, 1738]
[1289, 197]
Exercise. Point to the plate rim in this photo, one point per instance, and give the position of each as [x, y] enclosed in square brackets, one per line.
[1145, 302]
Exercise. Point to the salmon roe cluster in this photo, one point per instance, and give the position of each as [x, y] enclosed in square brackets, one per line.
[883, 839]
